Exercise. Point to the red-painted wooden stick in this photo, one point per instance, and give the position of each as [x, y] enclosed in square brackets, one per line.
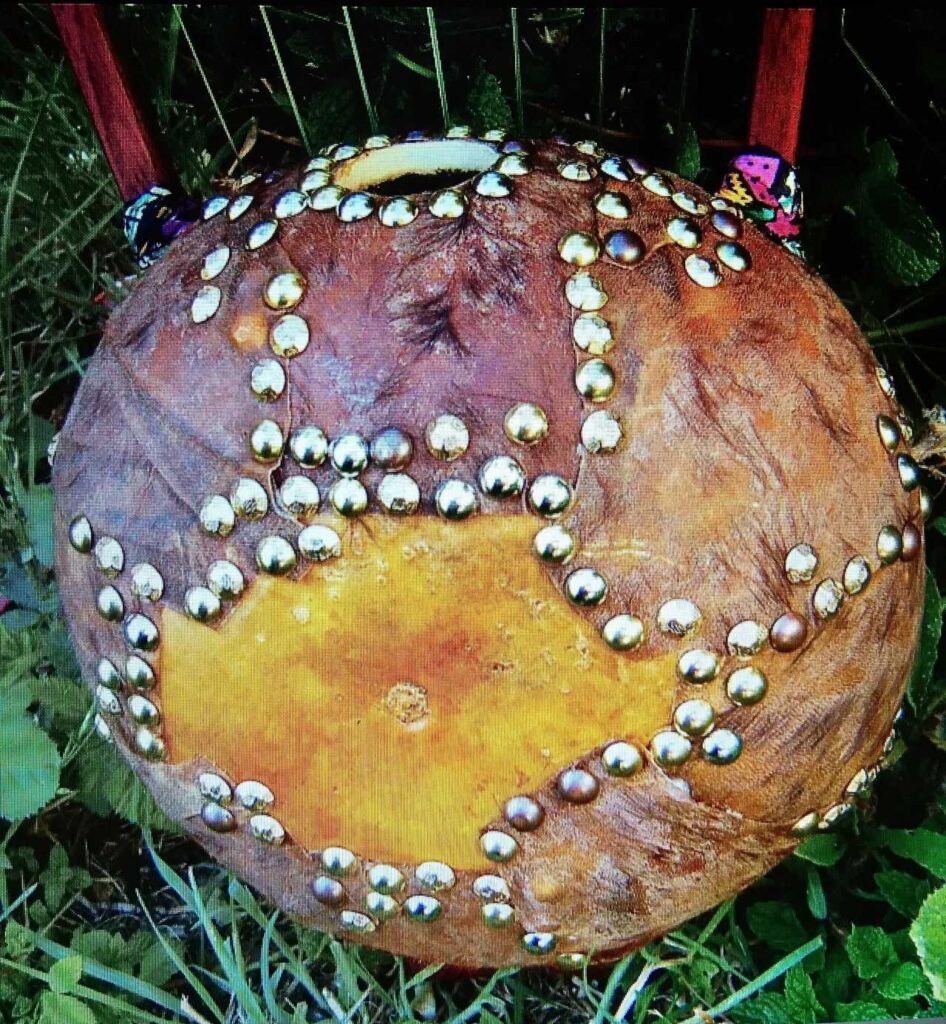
[780, 78]
[131, 149]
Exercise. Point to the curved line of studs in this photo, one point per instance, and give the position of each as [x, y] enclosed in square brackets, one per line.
[501, 476]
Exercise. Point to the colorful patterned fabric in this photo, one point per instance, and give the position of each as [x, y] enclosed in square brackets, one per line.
[155, 218]
[765, 187]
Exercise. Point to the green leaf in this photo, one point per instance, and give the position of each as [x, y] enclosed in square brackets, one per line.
[922, 693]
[922, 846]
[929, 936]
[766, 1008]
[834, 981]
[777, 925]
[902, 982]
[64, 975]
[861, 1010]
[902, 891]
[38, 513]
[62, 1009]
[800, 998]
[486, 103]
[817, 903]
[870, 950]
[29, 760]
[824, 850]
[902, 238]
[106, 784]
[686, 152]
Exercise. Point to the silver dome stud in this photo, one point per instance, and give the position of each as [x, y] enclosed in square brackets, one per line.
[577, 786]
[266, 441]
[385, 878]
[141, 633]
[423, 909]
[261, 233]
[554, 544]
[308, 446]
[397, 212]
[585, 292]
[621, 759]
[624, 246]
[215, 262]
[146, 582]
[447, 437]
[734, 256]
[266, 829]
[622, 632]
[694, 717]
[539, 943]
[80, 535]
[827, 599]
[455, 499]
[491, 888]
[435, 876]
[586, 588]
[722, 746]
[578, 248]
[501, 476]
[289, 336]
[214, 787]
[526, 423]
[329, 891]
[217, 516]
[110, 604]
[109, 556]
[206, 303]
[138, 673]
[592, 334]
[746, 685]
[498, 846]
[201, 604]
[801, 563]
[391, 448]
[348, 497]
[698, 666]
[300, 497]
[702, 271]
[275, 555]
[613, 204]
[746, 638]
[217, 818]
[284, 290]
[254, 796]
[497, 915]
[684, 232]
[524, 813]
[267, 380]
[550, 495]
[399, 494]
[448, 204]
[601, 432]
[857, 574]
[889, 432]
[679, 617]
[319, 543]
[249, 499]
[349, 454]
[670, 749]
[889, 544]
[338, 861]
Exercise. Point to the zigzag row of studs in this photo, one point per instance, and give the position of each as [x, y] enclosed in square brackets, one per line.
[500, 476]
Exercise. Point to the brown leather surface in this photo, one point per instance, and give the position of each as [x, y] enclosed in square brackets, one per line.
[749, 416]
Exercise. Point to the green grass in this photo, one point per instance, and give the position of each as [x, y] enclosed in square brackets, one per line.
[106, 912]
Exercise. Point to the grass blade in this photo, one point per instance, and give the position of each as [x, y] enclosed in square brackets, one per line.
[372, 114]
[438, 68]
[285, 80]
[517, 65]
[601, 52]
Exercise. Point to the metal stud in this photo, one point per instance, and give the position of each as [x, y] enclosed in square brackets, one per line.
[80, 535]
[201, 604]
[524, 813]
[727, 223]
[138, 673]
[141, 633]
[622, 760]
[702, 271]
[142, 710]
[391, 448]
[435, 876]
[382, 907]
[338, 861]
[289, 336]
[214, 787]
[554, 544]
[670, 749]
[622, 632]
[694, 717]
[423, 909]
[886, 383]
[801, 563]
[215, 262]
[300, 497]
[501, 476]
[746, 638]
[578, 248]
[284, 290]
[107, 700]
[491, 888]
[746, 685]
[492, 185]
[108, 675]
[448, 204]
[722, 746]
[260, 234]
[592, 334]
[926, 503]
[514, 164]
[109, 556]
[806, 824]
[577, 786]
[356, 922]
[217, 818]
[595, 380]
[684, 232]
[344, 151]
[734, 256]
[458, 131]
[149, 744]
[447, 437]
[267, 830]
[455, 499]
[397, 212]
[348, 497]
[110, 604]
[615, 167]
[912, 542]
[267, 380]
[526, 423]
[355, 206]
[266, 441]
[679, 617]
[239, 206]
[613, 204]
[539, 943]
[856, 574]
[625, 247]
[206, 303]
[889, 544]
[498, 846]
[698, 666]
[254, 796]
[910, 473]
[329, 891]
[275, 555]
[601, 432]
[689, 204]
[657, 184]
[586, 588]
[319, 543]
[889, 432]
[577, 170]
[320, 163]
[497, 915]
[217, 516]
[385, 878]
[326, 198]
[834, 814]
[399, 494]
[859, 784]
[585, 292]
[788, 632]
[308, 446]
[291, 203]
[146, 582]
[249, 499]
[349, 454]
[215, 205]
[550, 495]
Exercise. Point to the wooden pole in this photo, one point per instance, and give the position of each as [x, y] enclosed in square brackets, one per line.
[133, 153]
[780, 79]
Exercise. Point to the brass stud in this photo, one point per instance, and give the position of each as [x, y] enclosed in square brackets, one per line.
[319, 543]
[622, 760]
[595, 380]
[275, 555]
[554, 544]
[217, 516]
[289, 336]
[80, 535]
[284, 290]
[622, 632]
[788, 632]
[526, 423]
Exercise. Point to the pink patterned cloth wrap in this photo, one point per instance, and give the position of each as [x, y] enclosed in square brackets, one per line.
[765, 187]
